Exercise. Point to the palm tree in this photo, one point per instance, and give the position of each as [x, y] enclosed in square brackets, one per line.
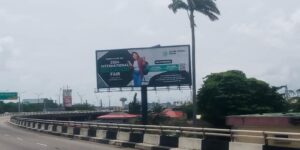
[206, 7]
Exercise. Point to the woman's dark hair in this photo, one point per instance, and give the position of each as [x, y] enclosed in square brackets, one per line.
[136, 54]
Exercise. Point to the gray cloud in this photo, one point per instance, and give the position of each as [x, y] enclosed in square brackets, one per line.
[7, 52]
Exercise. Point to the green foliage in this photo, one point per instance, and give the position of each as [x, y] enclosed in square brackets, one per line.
[294, 104]
[81, 107]
[187, 109]
[157, 108]
[26, 107]
[157, 119]
[8, 107]
[206, 7]
[134, 106]
[232, 93]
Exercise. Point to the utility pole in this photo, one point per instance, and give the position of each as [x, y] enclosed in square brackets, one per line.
[38, 97]
[80, 96]
[44, 105]
[59, 95]
[86, 104]
[19, 99]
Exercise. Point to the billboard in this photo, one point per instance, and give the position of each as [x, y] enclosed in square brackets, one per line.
[8, 95]
[67, 97]
[153, 67]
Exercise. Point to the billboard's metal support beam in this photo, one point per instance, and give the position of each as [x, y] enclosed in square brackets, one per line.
[144, 96]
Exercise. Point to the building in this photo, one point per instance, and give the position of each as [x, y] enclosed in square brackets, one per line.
[268, 122]
[172, 114]
[118, 117]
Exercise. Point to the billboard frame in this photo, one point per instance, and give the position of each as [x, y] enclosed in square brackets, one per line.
[133, 88]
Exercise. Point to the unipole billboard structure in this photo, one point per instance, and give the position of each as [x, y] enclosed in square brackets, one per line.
[142, 68]
[67, 97]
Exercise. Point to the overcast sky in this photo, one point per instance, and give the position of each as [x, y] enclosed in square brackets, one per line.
[48, 44]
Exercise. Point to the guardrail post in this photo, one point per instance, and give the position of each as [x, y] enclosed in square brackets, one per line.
[203, 133]
[231, 136]
[266, 138]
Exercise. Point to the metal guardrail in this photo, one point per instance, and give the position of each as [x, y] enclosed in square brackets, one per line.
[265, 136]
[45, 113]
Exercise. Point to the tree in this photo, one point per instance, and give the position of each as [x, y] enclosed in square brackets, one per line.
[80, 106]
[298, 92]
[134, 106]
[206, 7]
[232, 93]
[157, 108]
[294, 104]
[187, 109]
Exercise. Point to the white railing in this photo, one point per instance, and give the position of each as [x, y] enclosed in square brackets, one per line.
[174, 130]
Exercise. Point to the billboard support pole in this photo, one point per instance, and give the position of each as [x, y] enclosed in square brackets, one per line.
[144, 104]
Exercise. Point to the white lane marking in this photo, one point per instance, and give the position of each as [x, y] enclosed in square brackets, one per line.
[41, 144]
[20, 139]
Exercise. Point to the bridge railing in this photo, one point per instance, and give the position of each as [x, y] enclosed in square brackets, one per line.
[202, 132]
[45, 113]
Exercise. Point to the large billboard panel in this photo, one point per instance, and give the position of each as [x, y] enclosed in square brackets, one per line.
[153, 67]
[67, 97]
[8, 95]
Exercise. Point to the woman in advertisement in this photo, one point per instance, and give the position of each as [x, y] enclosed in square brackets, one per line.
[138, 65]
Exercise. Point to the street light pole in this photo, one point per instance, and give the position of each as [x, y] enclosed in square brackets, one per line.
[19, 99]
[38, 97]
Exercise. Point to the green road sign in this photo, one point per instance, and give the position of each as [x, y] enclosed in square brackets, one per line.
[8, 95]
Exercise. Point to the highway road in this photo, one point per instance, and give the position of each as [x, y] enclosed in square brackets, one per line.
[15, 138]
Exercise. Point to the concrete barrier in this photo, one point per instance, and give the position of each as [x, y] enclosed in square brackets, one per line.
[150, 141]
[28, 124]
[212, 144]
[244, 146]
[123, 136]
[83, 134]
[123, 139]
[70, 130]
[186, 143]
[36, 126]
[267, 147]
[100, 137]
[50, 128]
[43, 126]
[58, 129]
[101, 134]
[31, 125]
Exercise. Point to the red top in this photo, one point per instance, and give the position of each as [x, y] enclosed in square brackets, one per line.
[172, 114]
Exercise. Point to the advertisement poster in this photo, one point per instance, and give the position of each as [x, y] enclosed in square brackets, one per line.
[67, 97]
[153, 67]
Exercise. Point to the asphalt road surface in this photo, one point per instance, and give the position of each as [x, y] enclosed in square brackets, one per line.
[15, 138]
